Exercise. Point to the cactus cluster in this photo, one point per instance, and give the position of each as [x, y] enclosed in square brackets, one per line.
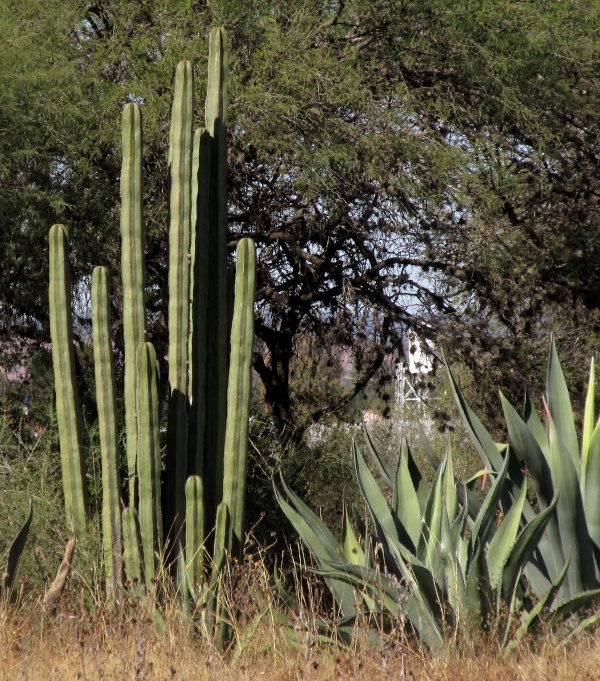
[173, 503]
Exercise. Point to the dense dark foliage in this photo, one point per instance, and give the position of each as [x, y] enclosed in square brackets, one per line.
[414, 164]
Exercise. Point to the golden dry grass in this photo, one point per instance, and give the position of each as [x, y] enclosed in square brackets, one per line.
[103, 647]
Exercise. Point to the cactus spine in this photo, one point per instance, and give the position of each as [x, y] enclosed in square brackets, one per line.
[133, 272]
[65, 380]
[107, 421]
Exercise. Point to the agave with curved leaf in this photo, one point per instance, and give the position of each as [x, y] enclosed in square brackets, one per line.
[428, 558]
[440, 557]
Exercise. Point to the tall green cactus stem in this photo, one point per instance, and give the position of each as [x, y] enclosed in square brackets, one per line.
[194, 530]
[217, 369]
[180, 211]
[133, 271]
[148, 458]
[108, 425]
[132, 546]
[199, 284]
[239, 393]
[65, 380]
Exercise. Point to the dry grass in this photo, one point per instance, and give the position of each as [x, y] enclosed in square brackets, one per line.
[107, 644]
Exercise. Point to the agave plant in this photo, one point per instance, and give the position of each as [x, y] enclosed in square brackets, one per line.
[427, 557]
[448, 562]
[14, 556]
[554, 460]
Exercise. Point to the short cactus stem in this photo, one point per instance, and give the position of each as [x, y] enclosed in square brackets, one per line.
[194, 530]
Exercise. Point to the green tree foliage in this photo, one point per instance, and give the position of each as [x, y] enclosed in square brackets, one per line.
[409, 164]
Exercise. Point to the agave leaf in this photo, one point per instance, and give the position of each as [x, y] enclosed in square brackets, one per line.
[385, 522]
[458, 533]
[529, 449]
[525, 545]
[535, 425]
[428, 550]
[536, 570]
[354, 553]
[449, 485]
[309, 531]
[584, 625]
[504, 539]
[420, 579]
[487, 515]
[574, 534]
[394, 598]
[382, 468]
[529, 619]
[573, 605]
[485, 445]
[14, 553]
[478, 592]
[405, 501]
[419, 482]
[322, 532]
[530, 452]
[588, 421]
[590, 486]
[455, 581]
[427, 448]
[559, 404]
[350, 544]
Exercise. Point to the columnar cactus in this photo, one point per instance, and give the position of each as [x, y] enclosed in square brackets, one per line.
[148, 458]
[205, 466]
[238, 393]
[108, 425]
[180, 213]
[133, 272]
[212, 236]
[67, 396]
